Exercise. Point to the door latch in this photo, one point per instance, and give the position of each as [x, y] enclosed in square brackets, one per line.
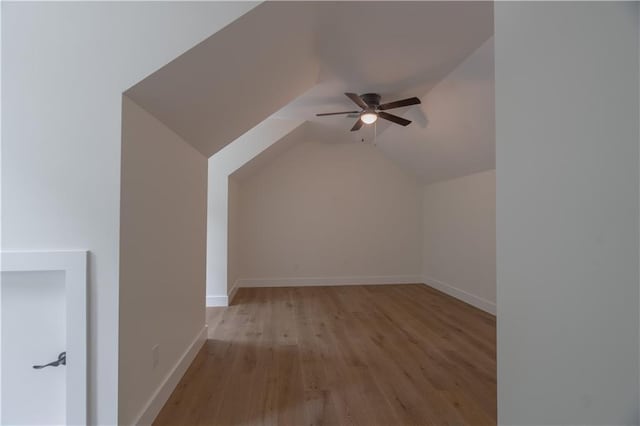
[62, 360]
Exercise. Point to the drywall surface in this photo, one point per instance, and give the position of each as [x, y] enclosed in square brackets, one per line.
[162, 254]
[220, 166]
[328, 213]
[459, 246]
[64, 68]
[567, 212]
[234, 81]
[233, 239]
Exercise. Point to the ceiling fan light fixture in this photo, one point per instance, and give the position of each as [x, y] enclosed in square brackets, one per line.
[371, 109]
[369, 117]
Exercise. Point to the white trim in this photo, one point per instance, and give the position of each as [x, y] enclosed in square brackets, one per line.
[462, 295]
[214, 301]
[233, 292]
[171, 380]
[328, 281]
[74, 265]
[217, 301]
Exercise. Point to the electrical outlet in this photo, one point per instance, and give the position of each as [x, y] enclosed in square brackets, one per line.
[155, 356]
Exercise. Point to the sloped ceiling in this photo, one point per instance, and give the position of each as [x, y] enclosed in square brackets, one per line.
[266, 156]
[453, 131]
[236, 78]
[440, 52]
[294, 59]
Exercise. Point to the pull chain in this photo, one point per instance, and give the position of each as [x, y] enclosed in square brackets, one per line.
[375, 133]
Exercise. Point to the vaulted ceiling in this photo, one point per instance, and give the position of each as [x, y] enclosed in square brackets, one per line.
[294, 59]
[453, 131]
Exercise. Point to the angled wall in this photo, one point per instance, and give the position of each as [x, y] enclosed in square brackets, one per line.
[220, 166]
[64, 67]
[567, 212]
[162, 257]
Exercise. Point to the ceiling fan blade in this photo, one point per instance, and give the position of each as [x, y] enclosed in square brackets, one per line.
[398, 120]
[336, 113]
[400, 103]
[357, 126]
[357, 100]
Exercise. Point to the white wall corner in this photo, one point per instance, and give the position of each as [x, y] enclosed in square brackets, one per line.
[471, 299]
[163, 392]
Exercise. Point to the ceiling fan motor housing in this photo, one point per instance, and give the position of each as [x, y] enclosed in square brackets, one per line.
[371, 99]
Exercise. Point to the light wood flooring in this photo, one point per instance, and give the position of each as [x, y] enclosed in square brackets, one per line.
[356, 355]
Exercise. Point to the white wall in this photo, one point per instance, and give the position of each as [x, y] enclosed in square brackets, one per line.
[64, 67]
[221, 165]
[329, 213]
[459, 246]
[162, 255]
[234, 253]
[567, 212]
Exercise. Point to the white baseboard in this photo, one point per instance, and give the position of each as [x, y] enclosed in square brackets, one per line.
[466, 297]
[213, 301]
[171, 380]
[328, 281]
[217, 301]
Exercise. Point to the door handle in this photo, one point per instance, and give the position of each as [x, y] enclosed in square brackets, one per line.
[62, 360]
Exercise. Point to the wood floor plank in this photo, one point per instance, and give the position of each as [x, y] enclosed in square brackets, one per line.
[320, 408]
[354, 355]
[466, 367]
[366, 401]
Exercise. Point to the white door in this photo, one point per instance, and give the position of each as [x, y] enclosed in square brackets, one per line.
[33, 318]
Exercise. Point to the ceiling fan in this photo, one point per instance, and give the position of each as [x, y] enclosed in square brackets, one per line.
[371, 109]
